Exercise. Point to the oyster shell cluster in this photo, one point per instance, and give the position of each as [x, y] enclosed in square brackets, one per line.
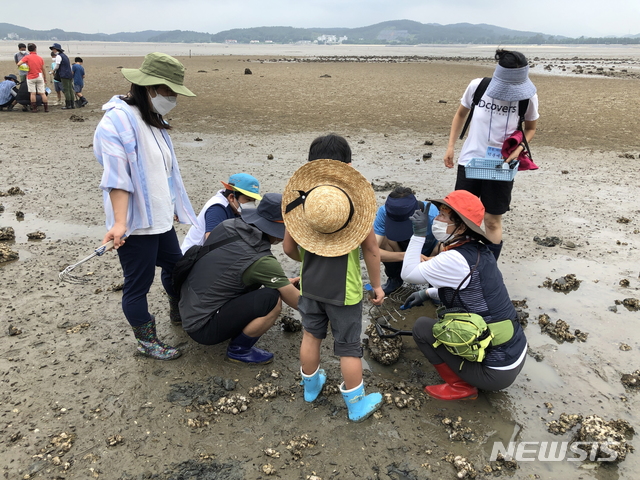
[560, 330]
[458, 431]
[6, 254]
[37, 235]
[299, 443]
[266, 390]
[233, 404]
[383, 350]
[401, 401]
[7, 234]
[609, 435]
[500, 464]
[564, 423]
[464, 467]
[563, 284]
[12, 191]
[523, 316]
[631, 304]
[114, 440]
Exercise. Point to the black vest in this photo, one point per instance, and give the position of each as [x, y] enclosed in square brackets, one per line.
[487, 295]
[217, 277]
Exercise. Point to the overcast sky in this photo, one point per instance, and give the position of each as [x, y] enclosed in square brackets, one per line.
[572, 18]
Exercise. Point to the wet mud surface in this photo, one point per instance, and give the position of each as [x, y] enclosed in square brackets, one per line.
[76, 402]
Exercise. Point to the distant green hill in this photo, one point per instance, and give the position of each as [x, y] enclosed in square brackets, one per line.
[403, 32]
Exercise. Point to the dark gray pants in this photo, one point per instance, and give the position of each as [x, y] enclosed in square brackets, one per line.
[474, 373]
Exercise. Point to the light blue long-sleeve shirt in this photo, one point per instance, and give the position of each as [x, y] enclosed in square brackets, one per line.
[116, 146]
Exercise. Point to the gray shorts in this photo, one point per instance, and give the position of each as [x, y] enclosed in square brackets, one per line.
[346, 324]
[77, 88]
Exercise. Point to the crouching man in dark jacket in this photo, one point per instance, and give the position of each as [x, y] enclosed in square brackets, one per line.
[221, 298]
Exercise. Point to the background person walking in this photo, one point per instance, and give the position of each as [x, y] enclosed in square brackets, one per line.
[63, 70]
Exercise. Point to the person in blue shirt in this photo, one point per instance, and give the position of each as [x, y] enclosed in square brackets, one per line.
[393, 231]
[78, 82]
[8, 91]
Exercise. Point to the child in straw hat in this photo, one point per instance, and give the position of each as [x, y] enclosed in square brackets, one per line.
[328, 209]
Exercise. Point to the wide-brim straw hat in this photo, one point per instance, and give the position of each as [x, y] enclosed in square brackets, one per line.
[468, 207]
[328, 207]
[159, 69]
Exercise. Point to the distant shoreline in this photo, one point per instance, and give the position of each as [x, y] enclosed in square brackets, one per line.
[464, 51]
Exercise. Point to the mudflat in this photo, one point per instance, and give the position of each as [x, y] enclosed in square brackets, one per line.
[77, 402]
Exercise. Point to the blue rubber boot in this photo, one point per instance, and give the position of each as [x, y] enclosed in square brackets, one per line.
[360, 406]
[312, 384]
[241, 349]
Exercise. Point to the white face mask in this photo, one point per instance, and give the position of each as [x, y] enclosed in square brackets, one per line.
[161, 104]
[439, 230]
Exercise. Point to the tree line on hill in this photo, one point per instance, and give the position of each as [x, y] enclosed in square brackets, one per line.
[399, 32]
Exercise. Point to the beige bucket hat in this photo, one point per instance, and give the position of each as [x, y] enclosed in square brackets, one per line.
[328, 207]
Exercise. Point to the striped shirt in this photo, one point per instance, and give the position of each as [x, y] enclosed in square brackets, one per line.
[117, 147]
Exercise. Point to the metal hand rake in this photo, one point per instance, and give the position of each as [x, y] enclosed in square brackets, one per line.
[66, 275]
[402, 293]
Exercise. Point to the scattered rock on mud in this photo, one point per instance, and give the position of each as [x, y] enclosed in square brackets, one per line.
[631, 304]
[523, 316]
[387, 186]
[383, 350]
[290, 323]
[192, 469]
[537, 355]
[501, 464]
[12, 191]
[560, 330]
[631, 380]
[6, 254]
[37, 235]
[563, 284]
[7, 234]
[547, 241]
[13, 331]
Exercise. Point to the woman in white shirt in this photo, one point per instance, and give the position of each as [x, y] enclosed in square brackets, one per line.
[495, 118]
[464, 275]
[143, 190]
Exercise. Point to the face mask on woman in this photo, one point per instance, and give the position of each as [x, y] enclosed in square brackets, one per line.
[161, 104]
[439, 230]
